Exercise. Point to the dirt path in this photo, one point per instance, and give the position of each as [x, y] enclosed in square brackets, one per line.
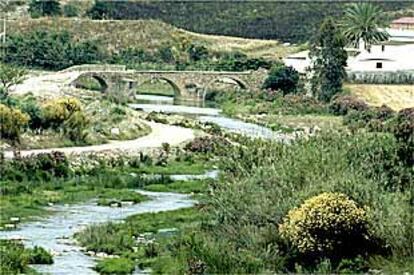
[160, 133]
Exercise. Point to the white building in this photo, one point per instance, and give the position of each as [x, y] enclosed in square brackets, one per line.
[378, 58]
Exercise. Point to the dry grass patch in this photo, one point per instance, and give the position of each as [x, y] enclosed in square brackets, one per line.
[395, 96]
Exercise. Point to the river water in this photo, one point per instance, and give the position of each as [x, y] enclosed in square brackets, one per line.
[55, 233]
[165, 104]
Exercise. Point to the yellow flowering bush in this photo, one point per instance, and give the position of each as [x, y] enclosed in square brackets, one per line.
[11, 122]
[326, 224]
[57, 111]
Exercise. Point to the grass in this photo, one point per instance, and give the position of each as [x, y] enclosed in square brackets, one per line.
[289, 123]
[174, 167]
[396, 97]
[151, 34]
[186, 187]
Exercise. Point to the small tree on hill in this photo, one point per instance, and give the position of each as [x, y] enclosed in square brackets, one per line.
[9, 76]
[328, 61]
[38, 8]
[283, 78]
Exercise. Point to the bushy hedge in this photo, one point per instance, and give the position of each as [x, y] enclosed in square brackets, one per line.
[50, 50]
[12, 122]
[282, 78]
[323, 226]
[343, 104]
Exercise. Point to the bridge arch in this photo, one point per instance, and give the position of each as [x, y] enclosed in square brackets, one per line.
[171, 83]
[103, 85]
[226, 80]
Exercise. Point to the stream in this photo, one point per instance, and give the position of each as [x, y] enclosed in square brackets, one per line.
[165, 104]
[55, 233]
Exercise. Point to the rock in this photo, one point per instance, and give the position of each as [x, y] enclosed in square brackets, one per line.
[101, 255]
[115, 131]
[9, 226]
[15, 219]
[127, 203]
[17, 238]
[90, 253]
[50, 204]
[115, 204]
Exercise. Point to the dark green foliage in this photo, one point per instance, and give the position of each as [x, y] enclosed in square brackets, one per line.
[238, 62]
[49, 50]
[197, 52]
[265, 180]
[282, 78]
[284, 20]
[38, 255]
[212, 145]
[70, 10]
[13, 257]
[46, 164]
[329, 61]
[403, 129]
[166, 55]
[39, 8]
[115, 266]
[32, 108]
[343, 104]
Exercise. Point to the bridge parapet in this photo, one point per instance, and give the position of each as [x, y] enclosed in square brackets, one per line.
[95, 68]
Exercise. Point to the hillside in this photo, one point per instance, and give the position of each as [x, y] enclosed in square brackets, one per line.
[150, 35]
[292, 21]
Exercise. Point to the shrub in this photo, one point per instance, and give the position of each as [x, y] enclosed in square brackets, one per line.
[57, 111]
[324, 225]
[75, 127]
[38, 255]
[13, 257]
[11, 122]
[206, 145]
[115, 266]
[31, 107]
[403, 129]
[44, 8]
[197, 52]
[70, 10]
[49, 49]
[343, 104]
[54, 163]
[282, 78]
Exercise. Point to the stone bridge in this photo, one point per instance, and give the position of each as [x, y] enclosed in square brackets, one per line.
[187, 85]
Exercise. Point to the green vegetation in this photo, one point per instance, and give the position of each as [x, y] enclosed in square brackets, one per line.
[12, 122]
[44, 8]
[154, 45]
[329, 61]
[9, 77]
[282, 78]
[115, 266]
[66, 121]
[287, 21]
[364, 21]
[31, 183]
[49, 49]
[192, 186]
[15, 258]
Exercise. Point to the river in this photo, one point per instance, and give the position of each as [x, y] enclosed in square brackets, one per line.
[202, 111]
[55, 233]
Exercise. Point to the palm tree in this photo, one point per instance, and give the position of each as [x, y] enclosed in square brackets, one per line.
[363, 21]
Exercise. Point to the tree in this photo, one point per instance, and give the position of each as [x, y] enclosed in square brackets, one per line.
[283, 78]
[363, 21]
[10, 76]
[328, 61]
[38, 8]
